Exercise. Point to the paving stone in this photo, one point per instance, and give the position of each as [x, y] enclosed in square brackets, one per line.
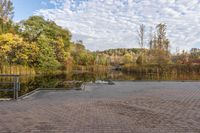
[132, 107]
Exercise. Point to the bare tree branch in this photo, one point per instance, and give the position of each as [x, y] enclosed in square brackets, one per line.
[141, 32]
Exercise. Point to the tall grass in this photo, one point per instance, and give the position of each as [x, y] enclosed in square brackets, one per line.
[17, 69]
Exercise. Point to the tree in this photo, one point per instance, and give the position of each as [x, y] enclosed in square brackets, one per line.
[139, 60]
[60, 52]
[151, 40]
[32, 28]
[159, 45]
[195, 53]
[46, 58]
[6, 10]
[6, 14]
[128, 58]
[16, 51]
[53, 41]
[162, 41]
[141, 32]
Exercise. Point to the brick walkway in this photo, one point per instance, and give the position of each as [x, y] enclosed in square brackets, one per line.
[127, 107]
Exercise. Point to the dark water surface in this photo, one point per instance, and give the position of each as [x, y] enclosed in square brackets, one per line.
[32, 82]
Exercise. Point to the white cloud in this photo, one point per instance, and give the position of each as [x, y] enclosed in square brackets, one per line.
[103, 24]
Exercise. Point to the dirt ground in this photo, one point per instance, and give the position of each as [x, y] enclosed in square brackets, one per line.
[126, 107]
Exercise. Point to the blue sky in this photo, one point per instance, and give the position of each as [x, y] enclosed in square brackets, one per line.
[103, 24]
[26, 8]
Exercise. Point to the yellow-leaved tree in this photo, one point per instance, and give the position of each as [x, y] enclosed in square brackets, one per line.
[16, 51]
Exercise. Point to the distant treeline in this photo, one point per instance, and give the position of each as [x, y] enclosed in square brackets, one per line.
[154, 56]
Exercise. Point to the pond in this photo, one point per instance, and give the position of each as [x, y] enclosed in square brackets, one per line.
[32, 82]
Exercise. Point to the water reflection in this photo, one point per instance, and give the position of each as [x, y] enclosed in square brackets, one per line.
[31, 82]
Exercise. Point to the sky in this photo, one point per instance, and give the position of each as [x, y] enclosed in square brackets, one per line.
[105, 24]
